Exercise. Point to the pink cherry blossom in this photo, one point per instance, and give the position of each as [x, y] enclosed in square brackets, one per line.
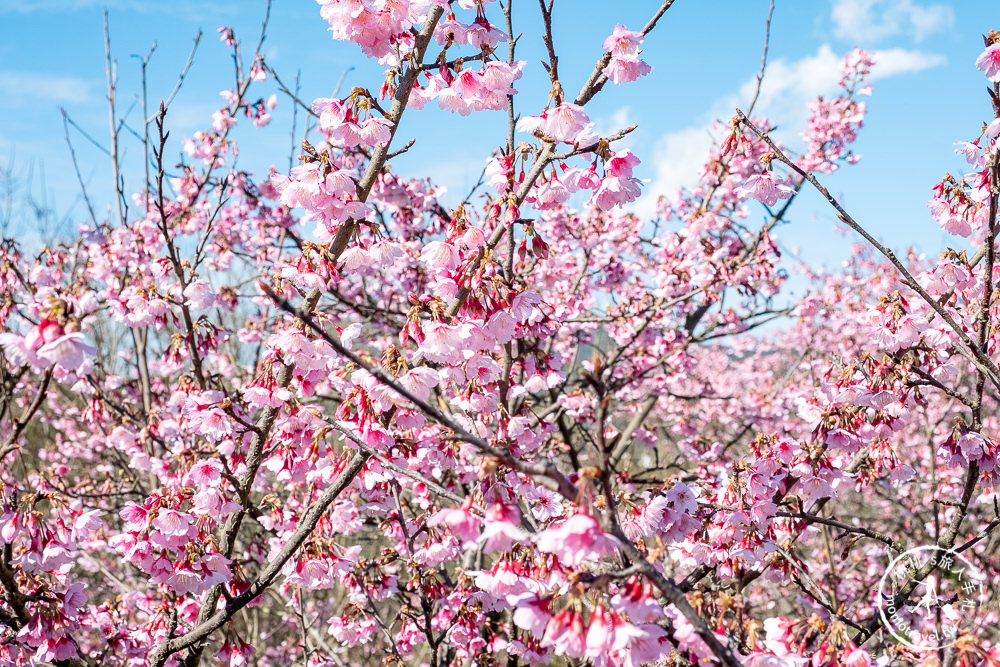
[989, 62]
[765, 188]
[575, 540]
[501, 529]
[199, 295]
[561, 123]
[624, 65]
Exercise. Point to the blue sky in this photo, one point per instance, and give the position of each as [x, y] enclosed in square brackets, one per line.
[705, 55]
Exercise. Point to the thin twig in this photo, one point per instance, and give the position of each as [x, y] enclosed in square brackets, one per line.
[763, 59]
[180, 78]
[76, 168]
[111, 71]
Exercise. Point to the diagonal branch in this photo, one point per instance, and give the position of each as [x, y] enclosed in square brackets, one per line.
[549, 472]
[270, 572]
[979, 358]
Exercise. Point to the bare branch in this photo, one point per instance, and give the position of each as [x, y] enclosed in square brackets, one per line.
[180, 78]
[76, 168]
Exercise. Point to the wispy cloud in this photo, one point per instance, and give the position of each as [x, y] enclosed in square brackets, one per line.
[867, 21]
[24, 88]
[788, 87]
[190, 9]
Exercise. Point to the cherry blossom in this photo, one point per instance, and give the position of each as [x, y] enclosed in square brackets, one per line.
[624, 65]
[989, 61]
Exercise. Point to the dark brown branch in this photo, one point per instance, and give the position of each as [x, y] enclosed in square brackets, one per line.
[859, 530]
[270, 571]
[10, 444]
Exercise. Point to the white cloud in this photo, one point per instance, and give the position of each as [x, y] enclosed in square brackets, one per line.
[622, 119]
[677, 157]
[22, 88]
[866, 21]
[891, 62]
[802, 79]
[676, 161]
[619, 120]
